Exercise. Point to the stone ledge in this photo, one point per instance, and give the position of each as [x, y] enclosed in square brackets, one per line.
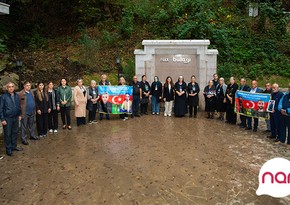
[139, 52]
[212, 52]
[4, 8]
[175, 42]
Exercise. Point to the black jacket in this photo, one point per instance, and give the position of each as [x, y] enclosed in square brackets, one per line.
[168, 94]
[245, 88]
[145, 86]
[193, 100]
[53, 99]
[8, 109]
[43, 105]
[92, 96]
[156, 89]
[136, 88]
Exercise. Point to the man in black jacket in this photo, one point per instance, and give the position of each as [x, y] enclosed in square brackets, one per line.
[246, 88]
[10, 114]
[137, 96]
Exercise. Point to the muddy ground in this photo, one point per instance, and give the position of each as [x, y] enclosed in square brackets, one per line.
[143, 161]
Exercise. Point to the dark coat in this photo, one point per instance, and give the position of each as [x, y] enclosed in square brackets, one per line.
[221, 95]
[180, 106]
[136, 88]
[55, 100]
[145, 86]
[8, 109]
[43, 105]
[168, 95]
[246, 88]
[231, 91]
[191, 89]
[92, 96]
[210, 103]
[156, 89]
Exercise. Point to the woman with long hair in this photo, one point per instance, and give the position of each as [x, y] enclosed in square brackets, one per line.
[54, 102]
[80, 97]
[168, 96]
[65, 96]
[180, 107]
[43, 107]
[156, 93]
[193, 99]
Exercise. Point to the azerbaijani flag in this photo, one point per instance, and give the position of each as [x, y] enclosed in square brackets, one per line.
[252, 104]
[115, 99]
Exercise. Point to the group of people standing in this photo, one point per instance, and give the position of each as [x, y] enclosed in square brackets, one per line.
[221, 98]
[46, 102]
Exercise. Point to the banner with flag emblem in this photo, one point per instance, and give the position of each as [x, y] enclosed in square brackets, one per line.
[252, 104]
[115, 99]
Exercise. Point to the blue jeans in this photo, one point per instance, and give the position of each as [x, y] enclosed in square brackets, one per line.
[155, 104]
[285, 123]
[135, 104]
[275, 124]
[11, 133]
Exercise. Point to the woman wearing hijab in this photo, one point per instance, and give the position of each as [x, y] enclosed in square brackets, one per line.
[210, 99]
[80, 97]
[42, 105]
[92, 105]
[145, 86]
[180, 107]
[156, 93]
[221, 98]
[193, 90]
[168, 96]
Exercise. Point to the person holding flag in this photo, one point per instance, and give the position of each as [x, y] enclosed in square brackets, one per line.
[254, 89]
[284, 108]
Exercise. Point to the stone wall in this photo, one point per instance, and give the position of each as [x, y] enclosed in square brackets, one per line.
[177, 57]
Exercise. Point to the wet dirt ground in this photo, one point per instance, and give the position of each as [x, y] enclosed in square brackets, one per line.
[143, 161]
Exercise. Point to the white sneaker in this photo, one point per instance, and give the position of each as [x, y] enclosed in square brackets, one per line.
[55, 131]
[165, 115]
[153, 113]
[50, 131]
[157, 113]
[126, 118]
[169, 115]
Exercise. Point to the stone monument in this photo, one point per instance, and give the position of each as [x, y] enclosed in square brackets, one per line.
[164, 58]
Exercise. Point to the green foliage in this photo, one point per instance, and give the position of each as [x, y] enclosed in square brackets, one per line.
[3, 47]
[110, 38]
[89, 48]
[128, 70]
[251, 47]
[37, 41]
[112, 77]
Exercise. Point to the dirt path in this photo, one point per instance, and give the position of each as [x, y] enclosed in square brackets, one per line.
[149, 160]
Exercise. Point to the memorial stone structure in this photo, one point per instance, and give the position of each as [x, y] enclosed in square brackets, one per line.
[177, 57]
